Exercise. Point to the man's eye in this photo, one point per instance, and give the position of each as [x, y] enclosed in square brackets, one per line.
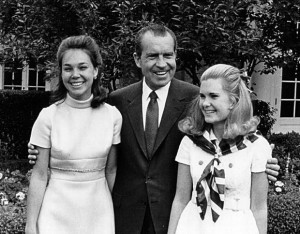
[151, 56]
[168, 56]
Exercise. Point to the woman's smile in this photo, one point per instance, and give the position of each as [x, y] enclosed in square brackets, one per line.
[78, 74]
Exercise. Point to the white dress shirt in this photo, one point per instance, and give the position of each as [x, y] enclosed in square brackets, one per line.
[162, 94]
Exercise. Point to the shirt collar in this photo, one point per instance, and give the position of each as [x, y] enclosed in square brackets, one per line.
[162, 92]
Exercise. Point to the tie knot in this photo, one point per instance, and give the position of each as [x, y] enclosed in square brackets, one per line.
[153, 95]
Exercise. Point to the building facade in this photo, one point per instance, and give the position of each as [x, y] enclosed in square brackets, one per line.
[282, 91]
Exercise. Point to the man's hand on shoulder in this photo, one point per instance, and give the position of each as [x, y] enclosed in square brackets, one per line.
[272, 169]
[32, 154]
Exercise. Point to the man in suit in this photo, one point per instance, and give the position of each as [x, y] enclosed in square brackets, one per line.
[145, 182]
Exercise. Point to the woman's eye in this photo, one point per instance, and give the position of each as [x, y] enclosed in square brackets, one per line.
[67, 69]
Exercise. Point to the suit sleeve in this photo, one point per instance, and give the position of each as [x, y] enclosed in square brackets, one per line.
[117, 117]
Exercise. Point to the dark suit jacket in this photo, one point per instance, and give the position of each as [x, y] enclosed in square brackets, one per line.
[140, 180]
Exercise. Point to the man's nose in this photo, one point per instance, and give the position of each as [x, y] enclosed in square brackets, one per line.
[161, 61]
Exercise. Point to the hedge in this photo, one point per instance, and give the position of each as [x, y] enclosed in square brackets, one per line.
[18, 111]
[284, 211]
[287, 144]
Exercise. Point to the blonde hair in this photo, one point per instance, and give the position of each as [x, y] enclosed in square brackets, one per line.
[240, 120]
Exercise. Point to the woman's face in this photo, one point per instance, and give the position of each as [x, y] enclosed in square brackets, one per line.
[78, 73]
[215, 102]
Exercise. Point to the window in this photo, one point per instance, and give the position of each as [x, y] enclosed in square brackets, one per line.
[290, 91]
[22, 76]
[12, 76]
[35, 77]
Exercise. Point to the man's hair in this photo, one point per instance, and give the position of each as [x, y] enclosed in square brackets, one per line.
[158, 30]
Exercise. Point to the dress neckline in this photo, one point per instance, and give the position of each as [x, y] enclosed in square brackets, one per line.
[77, 103]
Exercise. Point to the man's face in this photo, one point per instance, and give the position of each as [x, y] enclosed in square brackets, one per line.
[157, 59]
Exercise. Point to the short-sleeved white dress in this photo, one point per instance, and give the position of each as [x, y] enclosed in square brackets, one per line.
[236, 217]
[77, 199]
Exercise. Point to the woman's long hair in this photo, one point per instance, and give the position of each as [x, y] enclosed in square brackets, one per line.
[90, 47]
[240, 120]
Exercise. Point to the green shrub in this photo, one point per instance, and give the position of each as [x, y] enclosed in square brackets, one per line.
[14, 187]
[266, 113]
[287, 144]
[284, 210]
[13, 218]
[18, 111]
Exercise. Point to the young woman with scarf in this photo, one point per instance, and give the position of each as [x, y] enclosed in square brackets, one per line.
[222, 185]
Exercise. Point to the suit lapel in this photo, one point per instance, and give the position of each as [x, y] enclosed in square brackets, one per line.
[134, 113]
[173, 110]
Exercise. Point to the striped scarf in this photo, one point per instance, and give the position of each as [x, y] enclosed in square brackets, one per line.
[212, 181]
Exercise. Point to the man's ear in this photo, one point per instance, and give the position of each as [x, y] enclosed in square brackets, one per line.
[137, 59]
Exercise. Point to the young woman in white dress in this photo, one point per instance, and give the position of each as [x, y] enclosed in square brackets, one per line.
[222, 185]
[76, 138]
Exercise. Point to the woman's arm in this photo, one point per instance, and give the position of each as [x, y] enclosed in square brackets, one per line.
[111, 166]
[259, 194]
[182, 196]
[36, 190]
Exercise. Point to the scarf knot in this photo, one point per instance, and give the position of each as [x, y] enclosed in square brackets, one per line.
[212, 181]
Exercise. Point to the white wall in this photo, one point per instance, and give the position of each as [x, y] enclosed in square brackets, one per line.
[268, 88]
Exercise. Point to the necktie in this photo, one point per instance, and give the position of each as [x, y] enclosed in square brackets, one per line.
[151, 123]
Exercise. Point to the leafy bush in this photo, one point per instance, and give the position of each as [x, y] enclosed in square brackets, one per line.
[284, 210]
[287, 144]
[13, 194]
[18, 111]
[266, 113]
